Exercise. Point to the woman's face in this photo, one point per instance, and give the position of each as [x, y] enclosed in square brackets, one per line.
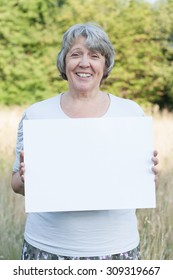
[84, 68]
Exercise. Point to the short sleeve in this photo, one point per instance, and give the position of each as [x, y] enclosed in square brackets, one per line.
[19, 144]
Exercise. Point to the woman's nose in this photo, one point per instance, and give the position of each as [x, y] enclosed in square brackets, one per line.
[84, 62]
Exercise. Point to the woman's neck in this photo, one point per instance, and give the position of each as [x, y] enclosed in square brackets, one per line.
[85, 105]
[84, 95]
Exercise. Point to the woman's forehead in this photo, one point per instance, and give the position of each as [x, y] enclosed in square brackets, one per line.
[79, 41]
[85, 42]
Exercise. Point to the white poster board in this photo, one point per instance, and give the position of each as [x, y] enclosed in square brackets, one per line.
[88, 164]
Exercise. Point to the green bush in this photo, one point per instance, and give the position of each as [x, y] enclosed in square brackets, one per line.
[31, 34]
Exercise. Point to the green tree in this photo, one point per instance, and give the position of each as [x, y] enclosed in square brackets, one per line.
[30, 39]
[31, 34]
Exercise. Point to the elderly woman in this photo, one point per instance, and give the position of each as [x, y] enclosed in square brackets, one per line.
[85, 59]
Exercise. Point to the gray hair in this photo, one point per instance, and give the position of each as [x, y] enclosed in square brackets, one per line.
[96, 40]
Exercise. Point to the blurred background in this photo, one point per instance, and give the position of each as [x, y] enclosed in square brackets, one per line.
[30, 38]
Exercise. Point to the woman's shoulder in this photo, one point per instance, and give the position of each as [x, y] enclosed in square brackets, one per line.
[125, 107]
[44, 108]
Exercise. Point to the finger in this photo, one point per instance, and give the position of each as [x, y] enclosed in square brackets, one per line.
[22, 156]
[155, 170]
[22, 178]
[22, 171]
[155, 153]
[155, 160]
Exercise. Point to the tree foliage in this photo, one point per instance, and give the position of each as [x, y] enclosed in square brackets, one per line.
[31, 34]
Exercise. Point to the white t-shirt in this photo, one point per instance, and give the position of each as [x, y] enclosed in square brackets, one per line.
[80, 233]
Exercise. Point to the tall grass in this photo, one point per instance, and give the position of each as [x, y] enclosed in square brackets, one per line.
[155, 225]
[12, 215]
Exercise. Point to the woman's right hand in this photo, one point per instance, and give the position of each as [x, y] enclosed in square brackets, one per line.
[17, 181]
[22, 166]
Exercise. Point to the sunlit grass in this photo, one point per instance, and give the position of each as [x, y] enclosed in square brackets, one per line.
[156, 225]
[12, 215]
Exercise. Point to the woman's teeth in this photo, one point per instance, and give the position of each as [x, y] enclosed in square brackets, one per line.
[83, 75]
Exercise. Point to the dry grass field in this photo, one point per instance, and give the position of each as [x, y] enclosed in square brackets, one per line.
[12, 215]
[155, 225]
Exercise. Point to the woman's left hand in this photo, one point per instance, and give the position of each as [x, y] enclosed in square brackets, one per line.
[154, 169]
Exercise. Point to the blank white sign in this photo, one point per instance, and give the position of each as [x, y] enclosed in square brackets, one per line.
[88, 164]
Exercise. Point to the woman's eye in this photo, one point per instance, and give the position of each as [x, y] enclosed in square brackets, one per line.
[75, 54]
[95, 55]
